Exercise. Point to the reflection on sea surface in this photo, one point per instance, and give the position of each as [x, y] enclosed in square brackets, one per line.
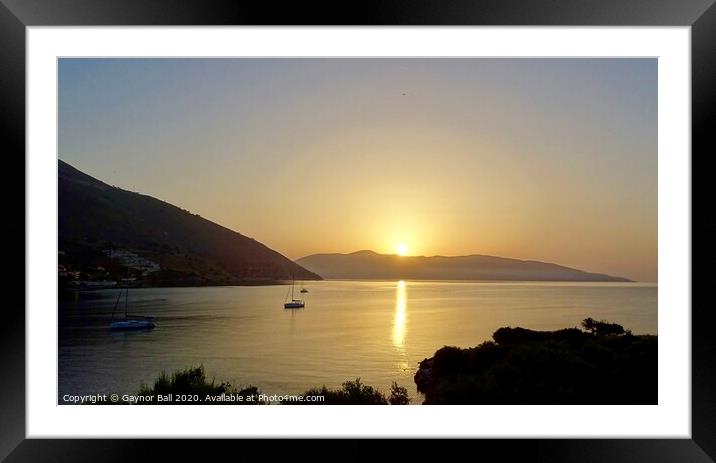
[400, 322]
[400, 316]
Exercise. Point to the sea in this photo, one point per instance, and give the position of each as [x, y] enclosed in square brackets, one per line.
[377, 331]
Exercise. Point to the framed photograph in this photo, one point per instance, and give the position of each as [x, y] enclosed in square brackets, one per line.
[409, 222]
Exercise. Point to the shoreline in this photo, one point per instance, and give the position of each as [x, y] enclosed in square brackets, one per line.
[168, 285]
[183, 285]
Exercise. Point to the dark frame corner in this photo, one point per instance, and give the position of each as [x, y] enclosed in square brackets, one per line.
[16, 15]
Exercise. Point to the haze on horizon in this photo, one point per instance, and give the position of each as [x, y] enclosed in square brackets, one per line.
[544, 159]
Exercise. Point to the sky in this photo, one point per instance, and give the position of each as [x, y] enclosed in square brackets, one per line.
[534, 158]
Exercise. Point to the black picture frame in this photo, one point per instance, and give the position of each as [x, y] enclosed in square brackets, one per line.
[16, 15]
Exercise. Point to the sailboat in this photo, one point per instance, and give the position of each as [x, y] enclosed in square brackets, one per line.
[130, 322]
[303, 290]
[295, 303]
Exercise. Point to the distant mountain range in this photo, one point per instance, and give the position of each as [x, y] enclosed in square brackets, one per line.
[371, 265]
[95, 217]
[175, 247]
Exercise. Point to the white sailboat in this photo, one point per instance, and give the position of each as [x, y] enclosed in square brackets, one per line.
[295, 303]
[130, 322]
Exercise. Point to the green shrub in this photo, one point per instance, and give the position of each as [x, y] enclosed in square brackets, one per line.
[193, 381]
[398, 395]
[606, 365]
[355, 393]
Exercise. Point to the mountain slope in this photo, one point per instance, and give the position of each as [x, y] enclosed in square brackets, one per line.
[371, 265]
[94, 216]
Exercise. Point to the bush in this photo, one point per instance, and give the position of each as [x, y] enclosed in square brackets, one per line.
[398, 395]
[607, 365]
[193, 381]
[602, 328]
[355, 393]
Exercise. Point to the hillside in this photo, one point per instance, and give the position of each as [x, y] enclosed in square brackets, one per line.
[371, 265]
[183, 247]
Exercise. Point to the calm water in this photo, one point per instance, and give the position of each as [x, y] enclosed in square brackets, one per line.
[378, 331]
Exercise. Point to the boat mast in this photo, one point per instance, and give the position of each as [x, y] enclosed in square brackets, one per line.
[126, 294]
[293, 281]
[116, 303]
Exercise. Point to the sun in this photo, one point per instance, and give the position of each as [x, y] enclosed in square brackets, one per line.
[401, 249]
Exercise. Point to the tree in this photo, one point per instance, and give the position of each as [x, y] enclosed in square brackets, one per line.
[398, 395]
[602, 328]
[590, 325]
[609, 329]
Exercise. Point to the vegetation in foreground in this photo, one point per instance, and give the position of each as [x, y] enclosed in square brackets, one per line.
[190, 386]
[356, 393]
[601, 364]
[191, 382]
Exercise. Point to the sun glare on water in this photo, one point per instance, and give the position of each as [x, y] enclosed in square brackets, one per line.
[401, 249]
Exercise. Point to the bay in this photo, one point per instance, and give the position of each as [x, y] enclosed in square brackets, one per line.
[375, 330]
